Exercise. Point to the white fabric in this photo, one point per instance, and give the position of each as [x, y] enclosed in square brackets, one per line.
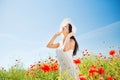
[66, 64]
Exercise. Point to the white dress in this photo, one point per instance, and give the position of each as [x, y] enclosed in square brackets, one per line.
[68, 69]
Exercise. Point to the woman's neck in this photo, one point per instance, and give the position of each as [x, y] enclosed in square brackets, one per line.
[65, 35]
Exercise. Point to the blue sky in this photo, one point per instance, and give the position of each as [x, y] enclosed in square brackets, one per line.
[27, 25]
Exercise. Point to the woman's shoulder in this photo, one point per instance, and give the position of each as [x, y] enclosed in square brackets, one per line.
[72, 41]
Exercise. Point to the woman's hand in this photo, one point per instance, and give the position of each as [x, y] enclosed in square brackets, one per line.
[58, 33]
[51, 43]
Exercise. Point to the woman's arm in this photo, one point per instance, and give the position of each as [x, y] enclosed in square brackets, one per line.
[51, 43]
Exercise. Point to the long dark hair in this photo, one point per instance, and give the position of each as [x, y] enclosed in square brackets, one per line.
[76, 44]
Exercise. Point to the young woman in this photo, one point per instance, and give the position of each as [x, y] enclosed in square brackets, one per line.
[66, 49]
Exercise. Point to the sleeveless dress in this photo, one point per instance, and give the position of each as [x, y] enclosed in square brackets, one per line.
[68, 69]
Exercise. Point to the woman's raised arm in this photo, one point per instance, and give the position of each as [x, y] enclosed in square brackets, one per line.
[51, 43]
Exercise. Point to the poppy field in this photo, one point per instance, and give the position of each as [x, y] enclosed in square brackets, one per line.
[91, 67]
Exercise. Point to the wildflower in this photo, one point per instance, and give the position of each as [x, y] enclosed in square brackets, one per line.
[39, 65]
[84, 54]
[105, 57]
[109, 77]
[38, 61]
[77, 61]
[101, 78]
[88, 54]
[27, 73]
[112, 52]
[101, 70]
[93, 66]
[50, 58]
[32, 66]
[16, 60]
[92, 71]
[3, 69]
[100, 55]
[54, 66]
[81, 77]
[45, 68]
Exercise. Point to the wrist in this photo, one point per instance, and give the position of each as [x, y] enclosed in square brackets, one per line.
[55, 35]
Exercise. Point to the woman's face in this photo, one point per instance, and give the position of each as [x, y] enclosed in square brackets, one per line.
[65, 29]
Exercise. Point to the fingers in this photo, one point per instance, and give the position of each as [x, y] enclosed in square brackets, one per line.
[58, 33]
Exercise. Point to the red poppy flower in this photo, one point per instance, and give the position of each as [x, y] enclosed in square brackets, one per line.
[77, 61]
[80, 75]
[39, 65]
[101, 70]
[100, 55]
[92, 71]
[32, 66]
[54, 66]
[112, 52]
[45, 68]
[93, 66]
[82, 78]
[84, 54]
[101, 78]
[109, 78]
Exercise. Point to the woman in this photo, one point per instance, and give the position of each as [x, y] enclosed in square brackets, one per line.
[66, 50]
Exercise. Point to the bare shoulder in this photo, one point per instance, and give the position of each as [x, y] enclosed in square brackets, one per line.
[72, 41]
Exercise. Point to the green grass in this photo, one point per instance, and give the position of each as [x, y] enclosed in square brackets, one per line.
[111, 66]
